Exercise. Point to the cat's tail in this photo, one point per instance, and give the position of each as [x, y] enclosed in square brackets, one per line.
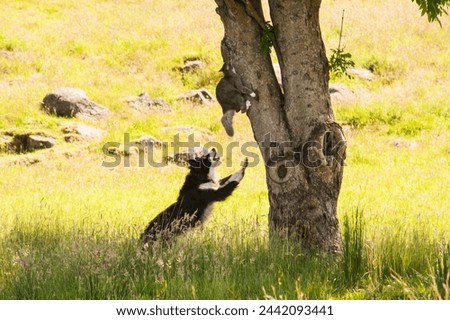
[227, 122]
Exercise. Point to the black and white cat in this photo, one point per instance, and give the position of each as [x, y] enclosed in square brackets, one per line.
[195, 202]
[232, 96]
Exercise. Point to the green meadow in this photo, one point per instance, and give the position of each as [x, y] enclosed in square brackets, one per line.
[70, 225]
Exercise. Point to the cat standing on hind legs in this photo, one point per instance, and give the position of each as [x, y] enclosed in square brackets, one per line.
[232, 96]
[195, 201]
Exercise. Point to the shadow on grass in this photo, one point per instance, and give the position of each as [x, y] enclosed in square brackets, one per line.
[58, 263]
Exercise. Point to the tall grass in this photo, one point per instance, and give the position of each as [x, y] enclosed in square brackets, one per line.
[51, 261]
[353, 239]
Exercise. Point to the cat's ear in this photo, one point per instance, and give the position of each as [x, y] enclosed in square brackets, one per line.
[213, 153]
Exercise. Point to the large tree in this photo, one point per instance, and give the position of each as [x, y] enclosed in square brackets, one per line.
[302, 145]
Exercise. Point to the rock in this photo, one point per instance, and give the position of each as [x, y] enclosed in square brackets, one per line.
[73, 102]
[146, 142]
[22, 143]
[181, 158]
[144, 104]
[122, 151]
[361, 73]
[200, 96]
[81, 131]
[71, 138]
[191, 65]
[340, 93]
[36, 142]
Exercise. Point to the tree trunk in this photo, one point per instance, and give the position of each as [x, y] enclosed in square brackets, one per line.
[302, 146]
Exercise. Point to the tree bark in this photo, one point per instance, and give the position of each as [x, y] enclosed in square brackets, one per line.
[302, 145]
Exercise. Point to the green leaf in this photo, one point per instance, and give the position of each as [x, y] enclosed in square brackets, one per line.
[433, 8]
[339, 62]
[267, 39]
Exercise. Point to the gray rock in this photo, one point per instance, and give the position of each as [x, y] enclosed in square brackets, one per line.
[191, 65]
[36, 142]
[200, 96]
[29, 142]
[361, 73]
[71, 138]
[144, 104]
[340, 93]
[122, 151]
[73, 102]
[148, 142]
[79, 131]
[88, 132]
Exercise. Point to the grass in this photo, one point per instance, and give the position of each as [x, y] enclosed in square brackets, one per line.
[223, 263]
[70, 226]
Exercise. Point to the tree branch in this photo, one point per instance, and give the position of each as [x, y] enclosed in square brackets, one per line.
[304, 64]
[240, 46]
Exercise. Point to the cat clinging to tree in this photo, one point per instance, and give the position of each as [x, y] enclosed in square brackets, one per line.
[232, 96]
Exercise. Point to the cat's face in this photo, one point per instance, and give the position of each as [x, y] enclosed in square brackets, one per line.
[228, 69]
[206, 162]
[204, 167]
[212, 158]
